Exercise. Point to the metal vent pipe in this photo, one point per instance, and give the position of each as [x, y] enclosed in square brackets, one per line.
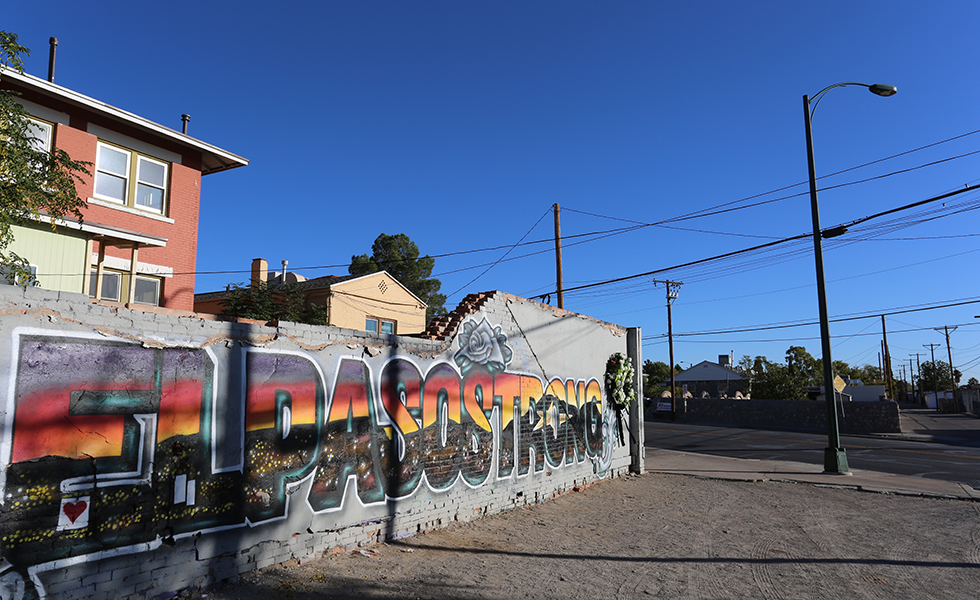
[185, 118]
[54, 48]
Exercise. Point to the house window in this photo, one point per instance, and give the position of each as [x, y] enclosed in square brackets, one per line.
[41, 132]
[147, 291]
[130, 179]
[10, 277]
[371, 324]
[111, 284]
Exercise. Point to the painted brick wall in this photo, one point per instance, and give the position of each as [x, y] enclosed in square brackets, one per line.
[143, 453]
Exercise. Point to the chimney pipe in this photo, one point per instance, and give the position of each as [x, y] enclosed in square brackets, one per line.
[54, 48]
[185, 118]
[285, 264]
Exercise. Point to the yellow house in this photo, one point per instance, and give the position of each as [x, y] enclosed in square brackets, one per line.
[376, 302]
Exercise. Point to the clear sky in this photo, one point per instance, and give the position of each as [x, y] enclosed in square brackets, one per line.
[462, 123]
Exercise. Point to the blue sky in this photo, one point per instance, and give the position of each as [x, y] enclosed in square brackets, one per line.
[462, 123]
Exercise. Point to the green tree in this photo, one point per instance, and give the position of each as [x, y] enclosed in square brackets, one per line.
[773, 381]
[791, 381]
[35, 183]
[802, 369]
[399, 255]
[936, 376]
[868, 374]
[656, 373]
[269, 302]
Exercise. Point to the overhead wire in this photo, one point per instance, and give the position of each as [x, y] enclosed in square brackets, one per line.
[756, 248]
[495, 263]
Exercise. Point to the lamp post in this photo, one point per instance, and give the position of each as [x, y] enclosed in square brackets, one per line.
[834, 458]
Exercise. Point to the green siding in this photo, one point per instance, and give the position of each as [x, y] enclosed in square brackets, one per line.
[58, 255]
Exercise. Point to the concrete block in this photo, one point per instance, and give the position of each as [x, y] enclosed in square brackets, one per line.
[96, 578]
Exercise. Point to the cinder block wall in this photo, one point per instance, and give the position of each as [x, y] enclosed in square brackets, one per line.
[146, 453]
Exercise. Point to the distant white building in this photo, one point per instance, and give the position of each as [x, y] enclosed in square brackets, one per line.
[714, 379]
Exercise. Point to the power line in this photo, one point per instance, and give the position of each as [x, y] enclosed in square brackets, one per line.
[766, 245]
[663, 339]
[495, 263]
[841, 319]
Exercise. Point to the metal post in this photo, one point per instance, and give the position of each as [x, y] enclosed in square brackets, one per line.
[889, 380]
[835, 458]
[952, 376]
[911, 378]
[922, 391]
[932, 350]
[634, 349]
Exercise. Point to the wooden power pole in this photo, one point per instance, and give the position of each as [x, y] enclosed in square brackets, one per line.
[561, 297]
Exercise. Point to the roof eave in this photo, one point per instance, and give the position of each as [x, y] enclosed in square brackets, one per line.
[215, 159]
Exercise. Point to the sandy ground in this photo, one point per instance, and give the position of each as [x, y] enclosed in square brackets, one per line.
[665, 536]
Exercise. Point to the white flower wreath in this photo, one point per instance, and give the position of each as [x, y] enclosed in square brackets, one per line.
[619, 380]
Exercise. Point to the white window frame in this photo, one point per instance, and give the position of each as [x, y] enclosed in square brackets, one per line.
[93, 274]
[166, 172]
[156, 282]
[48, 129]
[382, 327]
[126, 176]
[377, 324]
[132, 180]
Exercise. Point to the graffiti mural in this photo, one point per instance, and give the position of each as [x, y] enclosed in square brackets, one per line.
[108, 446]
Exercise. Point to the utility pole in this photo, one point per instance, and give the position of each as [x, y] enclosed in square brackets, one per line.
[561, 297]
[888, 360]
[672, 289]
[952, 375]
[935, 371]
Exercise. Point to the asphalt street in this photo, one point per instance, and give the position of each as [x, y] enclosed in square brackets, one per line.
[944, 447]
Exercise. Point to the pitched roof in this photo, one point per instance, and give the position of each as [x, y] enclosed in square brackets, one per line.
[320, 283]
[707, 371]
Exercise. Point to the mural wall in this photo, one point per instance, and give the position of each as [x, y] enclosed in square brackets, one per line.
[115, 442]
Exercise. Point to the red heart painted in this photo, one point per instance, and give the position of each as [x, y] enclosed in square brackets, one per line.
[73, 510]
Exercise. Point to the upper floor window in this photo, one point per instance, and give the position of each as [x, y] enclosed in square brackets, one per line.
[130, 178]
[42, 134]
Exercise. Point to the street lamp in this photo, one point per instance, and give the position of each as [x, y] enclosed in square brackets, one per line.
[834, 458]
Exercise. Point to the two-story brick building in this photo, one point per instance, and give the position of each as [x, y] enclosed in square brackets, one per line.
[137, 242]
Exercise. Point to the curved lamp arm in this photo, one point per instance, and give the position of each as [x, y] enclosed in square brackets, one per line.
[879, 89]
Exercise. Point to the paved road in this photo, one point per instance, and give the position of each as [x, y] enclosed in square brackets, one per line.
[958, 460]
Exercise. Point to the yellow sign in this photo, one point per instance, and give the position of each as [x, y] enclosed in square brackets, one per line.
[839, 384]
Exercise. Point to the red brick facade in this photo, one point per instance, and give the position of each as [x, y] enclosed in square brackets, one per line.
[182, 206]
[179, 222]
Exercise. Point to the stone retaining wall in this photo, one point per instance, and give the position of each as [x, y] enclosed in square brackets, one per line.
[853, 417]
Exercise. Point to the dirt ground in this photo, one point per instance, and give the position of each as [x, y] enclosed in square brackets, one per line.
[665, 536]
